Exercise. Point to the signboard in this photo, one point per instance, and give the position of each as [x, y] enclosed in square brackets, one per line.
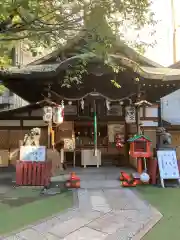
[115, 110]
[114, 129]
[168, 167]
[69, 144]
[33, 153]
[70, 110]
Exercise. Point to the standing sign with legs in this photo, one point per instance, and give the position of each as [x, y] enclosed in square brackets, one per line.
[168, 167]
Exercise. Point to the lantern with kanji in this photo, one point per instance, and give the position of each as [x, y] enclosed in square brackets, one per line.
[58, 114]
[140, 146]
[47, 114]
[130, 114]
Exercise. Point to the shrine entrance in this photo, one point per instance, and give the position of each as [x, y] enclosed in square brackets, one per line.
[90, 138]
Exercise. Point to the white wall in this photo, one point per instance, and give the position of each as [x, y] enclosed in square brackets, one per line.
[170, 108]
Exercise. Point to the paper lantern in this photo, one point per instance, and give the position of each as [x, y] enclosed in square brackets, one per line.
[47, 113]
[58, 114]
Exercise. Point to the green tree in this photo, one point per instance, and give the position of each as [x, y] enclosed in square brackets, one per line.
[49, 24]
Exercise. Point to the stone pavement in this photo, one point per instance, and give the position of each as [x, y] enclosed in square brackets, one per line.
[104, 210]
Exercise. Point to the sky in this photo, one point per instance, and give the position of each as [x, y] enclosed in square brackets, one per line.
[162, 52]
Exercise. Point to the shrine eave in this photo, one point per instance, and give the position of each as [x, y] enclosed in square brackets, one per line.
[50, 70]
[120, 48]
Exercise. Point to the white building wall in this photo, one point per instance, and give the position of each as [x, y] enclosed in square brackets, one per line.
[170, 108]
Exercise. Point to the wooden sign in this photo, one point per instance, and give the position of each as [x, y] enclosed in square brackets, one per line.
[114, 129]
[115, 110]
[69, 144]
[33, 153]
[70, 110]
[168, 167]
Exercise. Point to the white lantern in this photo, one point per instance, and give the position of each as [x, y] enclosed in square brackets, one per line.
[47, 113]
[58, 114]
[130, 114]
[144, 177]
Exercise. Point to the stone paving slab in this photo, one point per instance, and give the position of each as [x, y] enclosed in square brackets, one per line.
[63, 229]
[86, 233]
[90, 215]
[12, 238]
[46, 226]
[99, 202]
[51, 237]
[30, 234]
[109, 223]
[102, 213]
[101, 184]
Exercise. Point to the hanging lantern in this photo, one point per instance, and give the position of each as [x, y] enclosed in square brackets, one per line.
[130, 114]
[58, 114]
[119, 141]
[47, 113]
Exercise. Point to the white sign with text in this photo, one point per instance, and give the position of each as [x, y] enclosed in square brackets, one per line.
[168, 167]
[33, 153]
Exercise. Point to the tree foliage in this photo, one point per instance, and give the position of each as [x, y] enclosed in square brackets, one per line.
[52, 22]
[44, 24]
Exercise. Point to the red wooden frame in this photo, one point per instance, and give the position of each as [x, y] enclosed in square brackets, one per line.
[33, 173]
[139, 154]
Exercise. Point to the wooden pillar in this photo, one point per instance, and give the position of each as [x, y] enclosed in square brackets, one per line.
[49, 134]
[126, 134]
[13, 56]
[138, 121]
[138, 109]
[95, 130]
[139, 165]
[160, 124]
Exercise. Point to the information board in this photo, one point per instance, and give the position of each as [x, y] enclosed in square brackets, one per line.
[167, 162]
[69, 144]
[33, 153]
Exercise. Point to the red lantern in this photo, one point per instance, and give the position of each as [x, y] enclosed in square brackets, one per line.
[119, 141]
